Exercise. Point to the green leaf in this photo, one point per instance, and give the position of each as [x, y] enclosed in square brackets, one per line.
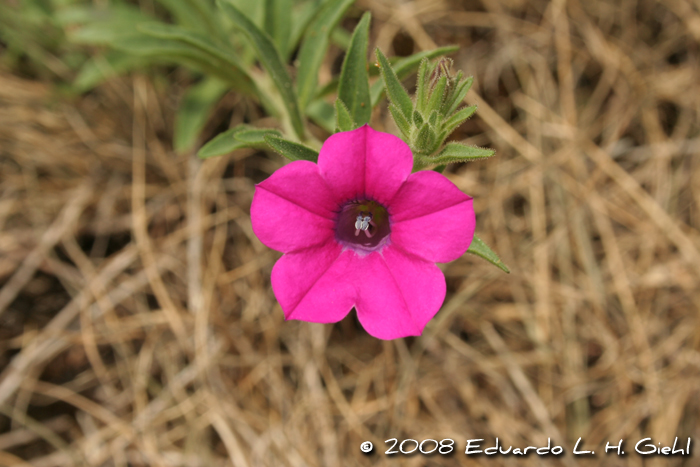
[322, 114]
[422, 85]
[343, 119]
[455, 152]
[242, 136]
[437, 95]
[194, 14]
[400, 121]
[301, 17]
[102, 67]
[417, 118]
[102, 26]
[271, 60]
[234, 68]
[314, 46]
[462, 90]
[194, 110]
[278, 22]
[291, 150]
[353, 88]
[396, 92]
[457, 119]
[406, 66]
[479, 248]
[425, 140]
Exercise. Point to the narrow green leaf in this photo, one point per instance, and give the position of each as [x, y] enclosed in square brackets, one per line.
[102, 67]
[291, 150]
[437, 95]
[314, 46]
[271, 60]
[458, 118]
[242, 136]
[400, 121]
[353, 88]
[102, 26]
[301, 17]
[278, 22]
[341, 37]
[343, 119]
[456, 152]
[417, 118]
[406, 66]
[194, 110]
[433, 118]
[194, 14]
[322, 114]
[422, 85]
[425, 140]
[481, 249]
[199, 41]
[396, 92]
[462, 90]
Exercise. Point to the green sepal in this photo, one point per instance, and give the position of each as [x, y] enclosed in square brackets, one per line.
[407, 65]
[422, 85]
[400, 120]
[343, 119]
[481, 249]
[433, 118]
[424, 140]
[291, 150]
[458, 118]
[417, 118]
[460, 93]
[242, 136]
[353, 88]
[395, 90]
[437, 95]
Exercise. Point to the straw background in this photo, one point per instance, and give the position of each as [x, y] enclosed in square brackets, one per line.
[137, 322]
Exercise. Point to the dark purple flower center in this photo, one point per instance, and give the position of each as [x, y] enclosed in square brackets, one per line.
[363, 225]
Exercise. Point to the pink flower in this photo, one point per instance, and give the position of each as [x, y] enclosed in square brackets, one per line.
[360, 230]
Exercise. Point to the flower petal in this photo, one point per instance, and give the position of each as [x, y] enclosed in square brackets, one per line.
[432, 218]
[294, 208]
[399, 293]
[315, 284]
[365, 164]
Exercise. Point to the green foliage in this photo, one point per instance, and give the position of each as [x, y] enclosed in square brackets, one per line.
[481, 249]
[343, 119]
[240, 137]
[315, 45]
[194, 110]
[353, 88]
[270, 58]
[291, 150]
[426, 121]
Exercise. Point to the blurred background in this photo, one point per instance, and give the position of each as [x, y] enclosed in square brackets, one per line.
[137, 322]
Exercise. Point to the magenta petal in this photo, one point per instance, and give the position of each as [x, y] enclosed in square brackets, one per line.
[365, 164]
[399, 293]
[293, 209]
[432, 218]
[315, 284]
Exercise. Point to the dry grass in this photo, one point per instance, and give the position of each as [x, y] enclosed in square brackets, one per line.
[138, 327]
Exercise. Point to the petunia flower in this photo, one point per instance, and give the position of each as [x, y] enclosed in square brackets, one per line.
[360, 230]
